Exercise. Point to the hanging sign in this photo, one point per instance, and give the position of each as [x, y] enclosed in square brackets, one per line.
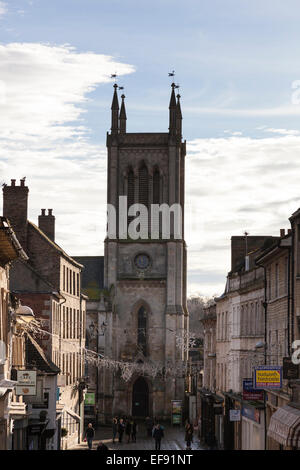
[26, 382]
[176, 411]
[250, 393]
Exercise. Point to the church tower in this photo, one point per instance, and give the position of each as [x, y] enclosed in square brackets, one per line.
[145, 278]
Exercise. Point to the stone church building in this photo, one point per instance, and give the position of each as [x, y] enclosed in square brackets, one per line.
[140, 311]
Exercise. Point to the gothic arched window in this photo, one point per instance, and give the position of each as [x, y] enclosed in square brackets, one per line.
[142, 330]
[156, 185]
[130, 189]
[143, 186]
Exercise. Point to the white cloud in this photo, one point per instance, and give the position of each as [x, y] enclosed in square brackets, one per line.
[235, 184]
[3, 9]
[43, 93]
[281, 131]
[46, 87]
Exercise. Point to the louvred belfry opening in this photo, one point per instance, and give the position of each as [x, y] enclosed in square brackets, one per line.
[156, 187]
[143, 186]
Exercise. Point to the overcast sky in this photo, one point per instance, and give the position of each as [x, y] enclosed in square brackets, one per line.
[237, 64]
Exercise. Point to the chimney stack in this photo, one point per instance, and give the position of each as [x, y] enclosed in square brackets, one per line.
[47, 223]
[15, 208]
[282, 232]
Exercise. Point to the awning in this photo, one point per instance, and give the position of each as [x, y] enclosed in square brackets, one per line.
[285, 426]
[72, 413]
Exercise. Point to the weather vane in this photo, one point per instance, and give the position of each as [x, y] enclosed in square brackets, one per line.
[114, 75]
[172, 74]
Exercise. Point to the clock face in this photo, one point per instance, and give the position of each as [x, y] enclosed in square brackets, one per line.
[142, 261]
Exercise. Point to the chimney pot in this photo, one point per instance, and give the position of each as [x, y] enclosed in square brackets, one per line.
[22, 182]
[50, 211]
[13, 182]
[282, 232]
[43, 211]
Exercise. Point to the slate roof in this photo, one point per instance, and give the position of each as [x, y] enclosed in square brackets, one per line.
[10, 247]
[92, 275]
[36, 356]
[32, 226]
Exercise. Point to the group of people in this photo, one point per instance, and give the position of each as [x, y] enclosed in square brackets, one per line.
[124, 425]
[157, 432]
[129, 427]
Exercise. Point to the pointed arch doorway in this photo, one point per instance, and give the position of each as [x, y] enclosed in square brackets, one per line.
[140, 398]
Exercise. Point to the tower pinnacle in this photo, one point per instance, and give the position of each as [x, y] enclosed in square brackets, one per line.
[115, 112]
[172, 111]
[123, 117]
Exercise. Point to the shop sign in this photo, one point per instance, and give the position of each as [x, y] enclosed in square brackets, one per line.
[290, 370]
[268, 377]
[249, 393]
[26, 382]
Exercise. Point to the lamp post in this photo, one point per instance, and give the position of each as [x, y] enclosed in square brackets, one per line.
[263, 345]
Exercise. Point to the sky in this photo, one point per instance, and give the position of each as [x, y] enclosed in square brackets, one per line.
[238, 67]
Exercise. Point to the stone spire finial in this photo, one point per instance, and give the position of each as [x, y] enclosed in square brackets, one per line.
[172, 111]
[115, 112]
[123, 117]
[178, 117]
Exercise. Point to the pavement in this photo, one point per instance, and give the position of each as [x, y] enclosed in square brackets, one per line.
[173, 440]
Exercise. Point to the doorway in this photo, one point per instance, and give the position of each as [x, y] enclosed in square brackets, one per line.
[140, 398]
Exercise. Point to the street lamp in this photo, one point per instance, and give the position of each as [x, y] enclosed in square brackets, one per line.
[263, 345]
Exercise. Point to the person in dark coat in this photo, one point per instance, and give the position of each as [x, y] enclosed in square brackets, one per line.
[114, 428]
[133, 430]
[149, 426]
[128, 429]
[102, 447]
[89, 435]
[158, 433]
[189, 431]
[121, 428]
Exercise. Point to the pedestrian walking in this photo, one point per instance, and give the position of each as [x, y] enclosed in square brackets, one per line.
[189, 431]
[121, 428]
[149, 426]
[158, 433]
[89, 435]
[128, 429]
[133, 430]
[114, 428]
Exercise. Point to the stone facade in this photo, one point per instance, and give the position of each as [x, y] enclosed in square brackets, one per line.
[277, 264]
[240, 327]
[10, 251]
[49, 282]
[209, 321]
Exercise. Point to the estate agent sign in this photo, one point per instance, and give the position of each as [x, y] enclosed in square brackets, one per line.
[269, 377]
